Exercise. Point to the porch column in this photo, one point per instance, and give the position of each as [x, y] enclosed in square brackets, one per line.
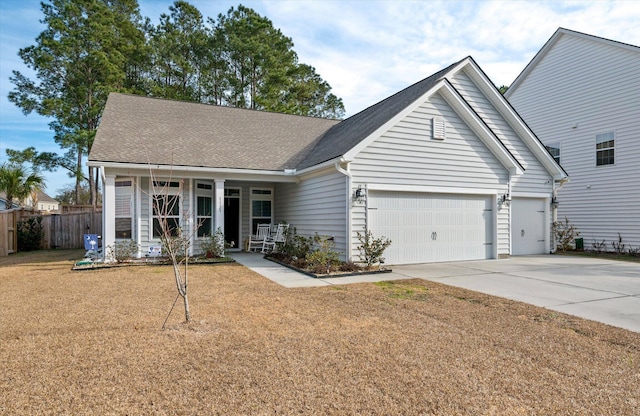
[219, 208]
[108, 215]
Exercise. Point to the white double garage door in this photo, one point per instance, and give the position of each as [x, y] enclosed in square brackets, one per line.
[427, 227]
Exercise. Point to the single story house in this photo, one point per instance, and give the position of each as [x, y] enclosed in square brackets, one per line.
[444, 168]
[581, 95]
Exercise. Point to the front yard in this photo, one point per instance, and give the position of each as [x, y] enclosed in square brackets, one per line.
[90, 343]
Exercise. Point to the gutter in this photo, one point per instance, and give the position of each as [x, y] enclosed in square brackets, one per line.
[289, 174]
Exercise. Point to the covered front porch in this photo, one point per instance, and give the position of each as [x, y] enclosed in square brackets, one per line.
[134, 203]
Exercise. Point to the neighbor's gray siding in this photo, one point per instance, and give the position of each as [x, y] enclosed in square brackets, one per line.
[535, 178]
[406, 155]
[316, 204]
[583, 87]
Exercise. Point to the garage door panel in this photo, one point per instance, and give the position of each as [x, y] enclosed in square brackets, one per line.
[432, 227]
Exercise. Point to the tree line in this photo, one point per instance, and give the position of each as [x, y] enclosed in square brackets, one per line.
[90, 48]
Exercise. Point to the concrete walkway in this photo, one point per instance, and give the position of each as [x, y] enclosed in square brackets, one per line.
[601, 290]
[291, 278]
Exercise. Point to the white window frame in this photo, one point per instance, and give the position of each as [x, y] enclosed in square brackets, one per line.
[124, 192]
[174, 189]
[601, 139]
[204, 193]
[260, 197]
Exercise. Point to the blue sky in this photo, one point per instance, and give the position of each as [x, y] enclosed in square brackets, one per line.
[366, 50]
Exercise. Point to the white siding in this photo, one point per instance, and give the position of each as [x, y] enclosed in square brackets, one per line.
[406, 155]
[580, 88]
[535, 178]
[316, 204]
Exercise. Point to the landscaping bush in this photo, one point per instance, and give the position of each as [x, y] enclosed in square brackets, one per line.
[123, 250]
[30, 234]
[323, 257]
[296, 246]
[213, 246]
[565, 233]
[371, 249]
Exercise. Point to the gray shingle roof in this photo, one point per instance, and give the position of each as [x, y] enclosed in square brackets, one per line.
[145, 130]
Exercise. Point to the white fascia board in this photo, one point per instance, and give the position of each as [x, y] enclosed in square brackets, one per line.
[513, 118]
[351, 154]
[195, 171]
[461, 107]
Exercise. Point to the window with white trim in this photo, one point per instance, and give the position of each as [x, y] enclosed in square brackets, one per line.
[554, 150]
[261, 207]
[204, 208]
[124, 208]
[166, 207]
[605, 149]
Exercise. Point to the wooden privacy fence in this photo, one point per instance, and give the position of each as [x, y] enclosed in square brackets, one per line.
[8, 234]
[60, 230]
[68, 230]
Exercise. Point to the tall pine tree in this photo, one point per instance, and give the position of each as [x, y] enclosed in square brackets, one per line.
[88, 49]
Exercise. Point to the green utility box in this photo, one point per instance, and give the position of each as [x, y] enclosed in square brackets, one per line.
[579, 244]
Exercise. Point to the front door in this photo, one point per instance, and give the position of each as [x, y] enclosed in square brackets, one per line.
[232, 218]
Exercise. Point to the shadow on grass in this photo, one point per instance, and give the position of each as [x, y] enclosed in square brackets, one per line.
[42, 256]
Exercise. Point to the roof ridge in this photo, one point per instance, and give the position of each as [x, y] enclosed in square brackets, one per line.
[231, 108]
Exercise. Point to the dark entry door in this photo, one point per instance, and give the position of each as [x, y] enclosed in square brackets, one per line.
[232, 222]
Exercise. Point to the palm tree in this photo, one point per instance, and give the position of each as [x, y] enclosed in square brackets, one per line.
[17, 184]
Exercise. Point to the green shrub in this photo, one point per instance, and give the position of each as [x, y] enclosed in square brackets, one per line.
[297, 246]
[123, 250]
[324, 256]
[213, 246]
[371, 249]
[30, 233]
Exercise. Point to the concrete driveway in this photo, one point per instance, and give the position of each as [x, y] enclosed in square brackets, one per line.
[601, 290]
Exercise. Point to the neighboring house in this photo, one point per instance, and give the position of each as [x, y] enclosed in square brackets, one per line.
[44, 203]
[581, 95]
[444, 168]
[3, 202]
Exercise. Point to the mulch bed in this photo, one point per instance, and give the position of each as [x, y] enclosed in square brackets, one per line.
[332, 274]
[92, 344]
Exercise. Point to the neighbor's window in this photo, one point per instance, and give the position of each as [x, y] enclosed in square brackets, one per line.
[554, 150]
[204, 213]
[261, 201]
[605, 149]
[166, 207]
[124, 208]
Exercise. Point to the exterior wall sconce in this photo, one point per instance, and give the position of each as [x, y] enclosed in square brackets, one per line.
[505, 198]
[359, 194]
[554, 202]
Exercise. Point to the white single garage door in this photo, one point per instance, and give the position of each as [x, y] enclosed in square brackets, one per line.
[528, 229]
[432, 227]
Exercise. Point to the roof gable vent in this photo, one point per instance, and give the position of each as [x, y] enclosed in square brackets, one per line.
[437, 128]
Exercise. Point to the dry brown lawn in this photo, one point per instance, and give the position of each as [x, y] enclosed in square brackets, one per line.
[90, 343]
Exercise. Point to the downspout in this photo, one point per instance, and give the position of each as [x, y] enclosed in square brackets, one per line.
[509, 222]
[347, 173]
